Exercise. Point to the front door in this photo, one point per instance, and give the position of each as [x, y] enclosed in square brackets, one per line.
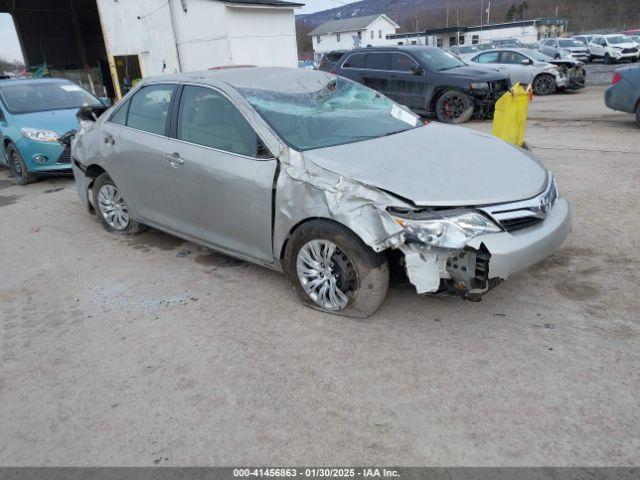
[375, 75]
[133, 145]
[407, 82]
[512, 63]
[220, 176]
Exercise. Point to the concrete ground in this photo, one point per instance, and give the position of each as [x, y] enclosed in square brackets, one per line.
[152, 351]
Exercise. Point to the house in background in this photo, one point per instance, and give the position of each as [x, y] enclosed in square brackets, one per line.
[527, 31]
[349, 33]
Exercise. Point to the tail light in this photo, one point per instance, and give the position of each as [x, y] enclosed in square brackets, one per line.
[616, 78]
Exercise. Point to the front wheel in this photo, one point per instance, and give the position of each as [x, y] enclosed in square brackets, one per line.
[112, 209]
[544, 84]
[454, 106]
[638, 114]
[18, 166]
[332, 270]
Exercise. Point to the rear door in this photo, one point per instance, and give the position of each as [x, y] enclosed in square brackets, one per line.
[220, 175]
[134, 141]
[3, 126]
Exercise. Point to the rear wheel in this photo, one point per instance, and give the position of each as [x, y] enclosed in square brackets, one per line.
[454, 106]
[18, 166]
[544, 84]
[638, 114]
[607, 58]
[113, 211]
[332, 270]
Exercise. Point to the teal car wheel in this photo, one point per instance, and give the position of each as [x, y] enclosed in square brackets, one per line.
[18, 167]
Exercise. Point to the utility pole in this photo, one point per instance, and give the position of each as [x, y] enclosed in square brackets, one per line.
[489, 13]
[447, 14]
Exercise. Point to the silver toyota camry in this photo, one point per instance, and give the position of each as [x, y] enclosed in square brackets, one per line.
[322, 178]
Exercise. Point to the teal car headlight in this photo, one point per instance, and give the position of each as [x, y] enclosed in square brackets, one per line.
[40, 135]
[447, 229]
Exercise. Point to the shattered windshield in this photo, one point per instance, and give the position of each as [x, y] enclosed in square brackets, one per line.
[339, 112]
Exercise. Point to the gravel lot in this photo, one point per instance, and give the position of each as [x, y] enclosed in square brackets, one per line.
[152, 351]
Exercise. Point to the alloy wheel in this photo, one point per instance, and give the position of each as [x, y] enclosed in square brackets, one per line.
[112, 207]
[544, 85]
[326, 273]
[453, 106]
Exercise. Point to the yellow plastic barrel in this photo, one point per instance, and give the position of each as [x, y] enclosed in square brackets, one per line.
[510, 116]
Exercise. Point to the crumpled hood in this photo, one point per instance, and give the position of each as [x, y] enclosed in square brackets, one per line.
[474, 73]
[59, 121]
[439, 165]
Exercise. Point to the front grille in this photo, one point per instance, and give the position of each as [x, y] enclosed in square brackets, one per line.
[499, 86]
[630, 50]
[65, 156]
[513, 224]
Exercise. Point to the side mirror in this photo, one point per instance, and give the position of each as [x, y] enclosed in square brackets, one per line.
[417, 70]
[528, 61]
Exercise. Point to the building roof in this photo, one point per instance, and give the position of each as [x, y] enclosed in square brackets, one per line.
[348, 24]
[490, 26]
[269, 3]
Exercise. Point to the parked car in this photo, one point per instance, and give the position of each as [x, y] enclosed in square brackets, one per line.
[320, 177]
[464, 51]
[533, 46]
[585, 39]
[329, 59]
[624, 92]
[33, 115]
[562, 47]
[526, 66]
[613, 48]
[427, 80]
[507, 42]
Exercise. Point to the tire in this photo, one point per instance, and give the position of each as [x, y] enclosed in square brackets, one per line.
[544, 84]
[638, 114]
[607, 59]
[18, 166]
[106, 199]
[360, 275]
[454, 106]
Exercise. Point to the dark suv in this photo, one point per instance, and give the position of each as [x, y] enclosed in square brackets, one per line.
[426, 79]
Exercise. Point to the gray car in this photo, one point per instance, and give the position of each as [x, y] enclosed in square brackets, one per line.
[565, 47]
[322, 178]
[526, 67]
[624, 92]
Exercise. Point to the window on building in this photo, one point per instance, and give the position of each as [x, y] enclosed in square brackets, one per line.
[400, 43]
[318, 39]
[461, 42]
[359, 34]
[372, 34]
[475, 39]
[439, 43]
[379, 33]
[209, 119]
[149, 107]
[413, 42]
[452, 41]
[337, 37]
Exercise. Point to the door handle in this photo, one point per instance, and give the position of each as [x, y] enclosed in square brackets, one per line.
[108, 139]
[174, 159]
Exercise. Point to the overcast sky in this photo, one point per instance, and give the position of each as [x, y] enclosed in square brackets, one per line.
[312, 6]
[9, 46]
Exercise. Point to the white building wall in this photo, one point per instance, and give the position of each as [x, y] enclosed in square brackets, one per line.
[383, 25]
[370, 36]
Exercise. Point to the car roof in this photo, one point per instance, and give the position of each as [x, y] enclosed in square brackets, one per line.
[395, 48]
[31, 81]
[273, 79]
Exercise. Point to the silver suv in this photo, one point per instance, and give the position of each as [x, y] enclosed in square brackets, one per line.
[322, 178]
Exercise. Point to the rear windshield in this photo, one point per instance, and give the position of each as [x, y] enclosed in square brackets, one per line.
[438, 60]
[45, 96]
[339, 112]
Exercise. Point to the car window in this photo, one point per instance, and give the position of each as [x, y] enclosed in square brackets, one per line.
[149, 107]
[402, 63]
[120, 115]
[489, 57]
[512, 57]
[355, 61]
[377, 61]
[208, 118]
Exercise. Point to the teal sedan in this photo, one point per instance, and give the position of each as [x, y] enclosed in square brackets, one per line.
[34, 113]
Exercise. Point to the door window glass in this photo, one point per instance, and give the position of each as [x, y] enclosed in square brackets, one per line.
[120, 117]
[491, 57]
[377, 61]
[402, 63]
[208, 118]
[355, 61]
[512, 58]
[149, 107]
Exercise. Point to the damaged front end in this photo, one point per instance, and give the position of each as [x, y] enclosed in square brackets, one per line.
[573, 70]
[485, 95]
